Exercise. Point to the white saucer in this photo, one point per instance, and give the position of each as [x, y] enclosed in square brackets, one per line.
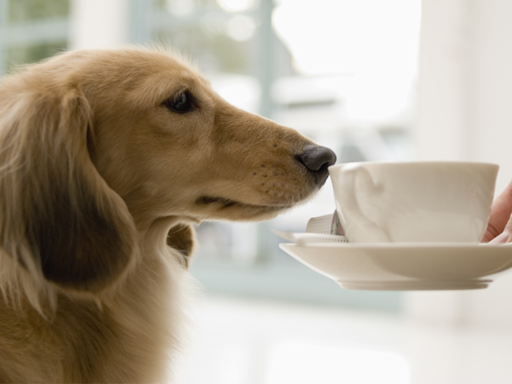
[405, 266]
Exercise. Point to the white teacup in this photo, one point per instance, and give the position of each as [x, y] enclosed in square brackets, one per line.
[414, 201]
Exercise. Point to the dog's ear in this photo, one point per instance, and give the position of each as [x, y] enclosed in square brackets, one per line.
[182, 238]
[58, 217]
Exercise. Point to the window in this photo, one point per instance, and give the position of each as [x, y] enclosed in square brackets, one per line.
[31, 30]
[340, 71]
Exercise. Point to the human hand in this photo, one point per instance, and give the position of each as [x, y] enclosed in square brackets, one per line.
[500, 223]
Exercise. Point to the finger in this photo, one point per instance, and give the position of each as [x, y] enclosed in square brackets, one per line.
[508, 229]
[505, 236]
[501, 238]
[500, 214]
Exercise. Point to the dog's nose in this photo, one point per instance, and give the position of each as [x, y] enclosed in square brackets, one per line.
[317, 159]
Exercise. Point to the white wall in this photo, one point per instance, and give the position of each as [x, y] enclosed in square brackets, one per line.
[465, 82]
[465, 113]
[99, 23]
[441, 121]
[490, 59]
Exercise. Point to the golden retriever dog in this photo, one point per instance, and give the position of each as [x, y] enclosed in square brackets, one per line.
[107, 160]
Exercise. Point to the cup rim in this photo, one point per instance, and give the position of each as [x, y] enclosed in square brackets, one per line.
[415, 162]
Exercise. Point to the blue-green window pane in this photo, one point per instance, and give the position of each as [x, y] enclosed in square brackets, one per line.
[17, 55]
[27, 10]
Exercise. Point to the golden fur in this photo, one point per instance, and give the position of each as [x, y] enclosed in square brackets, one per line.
[100, 181]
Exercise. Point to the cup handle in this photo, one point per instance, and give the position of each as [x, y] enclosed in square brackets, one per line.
[351, 175]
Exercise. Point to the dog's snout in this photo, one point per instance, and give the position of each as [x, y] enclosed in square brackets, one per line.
[317, 159]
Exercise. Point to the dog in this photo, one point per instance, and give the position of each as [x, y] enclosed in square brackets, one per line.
[108, 159]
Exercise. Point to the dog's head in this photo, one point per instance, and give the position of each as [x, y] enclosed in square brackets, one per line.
[96, 146]
[169, 145]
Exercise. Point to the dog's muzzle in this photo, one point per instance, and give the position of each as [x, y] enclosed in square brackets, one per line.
[317, 159]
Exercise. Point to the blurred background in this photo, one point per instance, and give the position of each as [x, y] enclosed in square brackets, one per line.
[372, 80]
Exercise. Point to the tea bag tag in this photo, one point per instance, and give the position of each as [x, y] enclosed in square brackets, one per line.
[329, 225]
[322, 229]
[320, 224]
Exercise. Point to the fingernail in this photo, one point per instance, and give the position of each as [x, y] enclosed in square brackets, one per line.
[501, 238]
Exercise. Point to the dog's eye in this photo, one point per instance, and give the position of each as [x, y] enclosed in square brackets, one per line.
[180, 104]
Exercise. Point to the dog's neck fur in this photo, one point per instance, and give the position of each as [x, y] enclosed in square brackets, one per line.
[132, 329]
